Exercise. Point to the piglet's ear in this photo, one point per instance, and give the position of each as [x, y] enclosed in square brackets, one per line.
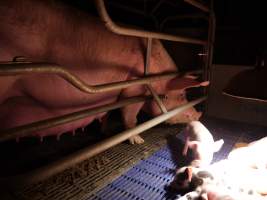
[218, 145]
[191, 76]
[194, 145]
[182, 83]
[205, 83]
[188, 173]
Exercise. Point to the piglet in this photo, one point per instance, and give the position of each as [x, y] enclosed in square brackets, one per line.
[250, 156]
[201, 142]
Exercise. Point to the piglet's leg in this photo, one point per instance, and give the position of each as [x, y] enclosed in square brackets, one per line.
[186, 146]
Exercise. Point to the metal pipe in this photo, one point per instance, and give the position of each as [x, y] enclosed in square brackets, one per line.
[210, 46]
[12, 69]
[150, 88]
[134, 10]
[182, 17]
[198, 5]
[139, 33]
[25, 130]
[148, 55]
[88, 152]
[211, 42]
[157, 99]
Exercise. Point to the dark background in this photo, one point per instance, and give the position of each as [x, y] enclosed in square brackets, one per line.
[240, 30]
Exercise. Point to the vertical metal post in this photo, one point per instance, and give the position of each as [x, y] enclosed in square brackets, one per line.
[146, 70]
[209, 50]
[148, 54]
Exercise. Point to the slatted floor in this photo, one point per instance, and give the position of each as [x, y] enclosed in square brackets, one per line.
[149, 178]
[135, 176]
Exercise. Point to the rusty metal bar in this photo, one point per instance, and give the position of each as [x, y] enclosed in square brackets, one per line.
[88, 152]
[198, 5]
[12, 69]
[140, 33]
[25, 130]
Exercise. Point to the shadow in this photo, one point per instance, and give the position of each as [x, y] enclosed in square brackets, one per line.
[175, 145]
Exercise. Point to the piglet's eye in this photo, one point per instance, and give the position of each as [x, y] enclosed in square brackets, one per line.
[204, 174]
[165, 97]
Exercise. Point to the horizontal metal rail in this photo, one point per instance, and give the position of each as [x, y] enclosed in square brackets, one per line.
[25, 130]
[198, 5]
[140, 33]
[88, 152]
[12, 69]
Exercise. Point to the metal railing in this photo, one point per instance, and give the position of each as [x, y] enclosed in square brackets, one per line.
[88, 152]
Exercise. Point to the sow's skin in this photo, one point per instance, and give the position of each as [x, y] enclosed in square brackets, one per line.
[50, 32]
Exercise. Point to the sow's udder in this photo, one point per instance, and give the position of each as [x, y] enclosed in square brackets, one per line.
[20, 105]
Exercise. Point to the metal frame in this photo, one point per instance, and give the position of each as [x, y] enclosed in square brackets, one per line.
[12, 69]
[181, 17]
[88, 152]
[140, 33]
[198, 5]
[25, 130]
[64, 163]
[208, 48]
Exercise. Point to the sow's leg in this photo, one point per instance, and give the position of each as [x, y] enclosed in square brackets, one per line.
[129, 113]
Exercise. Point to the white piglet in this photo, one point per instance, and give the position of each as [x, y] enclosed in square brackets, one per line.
[201, 142]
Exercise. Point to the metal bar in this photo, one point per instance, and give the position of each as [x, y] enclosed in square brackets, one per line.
[211, 42]
[156, 7]
[135, 11]
[157, 99]
[150, 88]
[139, 33]
[182, 17]
[209, 51]
[148, 55]
[198, 5]
[25, 130]
[88, 152]
[12, 69]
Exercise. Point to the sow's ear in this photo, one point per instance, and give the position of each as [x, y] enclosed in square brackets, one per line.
[184, 82]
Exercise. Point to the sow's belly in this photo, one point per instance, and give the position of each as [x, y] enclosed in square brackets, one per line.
[29, 99]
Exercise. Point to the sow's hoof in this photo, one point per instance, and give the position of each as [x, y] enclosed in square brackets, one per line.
[136, 140]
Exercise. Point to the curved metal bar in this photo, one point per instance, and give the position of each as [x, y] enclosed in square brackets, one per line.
[25, 130]
[198, 5]
[88, 152]
[139, 33]
[12, 69]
